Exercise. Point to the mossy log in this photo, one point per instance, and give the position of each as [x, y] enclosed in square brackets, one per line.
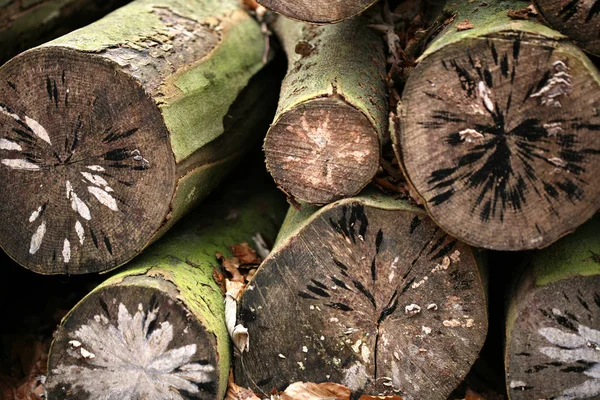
[157, 330]
[499, 130]
[111, 133]
[578, 19]
[28, 23]
[324, 142]
[367, 292]
[553, 323]
[318, 11]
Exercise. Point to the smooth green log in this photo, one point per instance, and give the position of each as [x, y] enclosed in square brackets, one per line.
[174, 277]
[28, 23]
[552, 327]
[323, 144]
[155, 103]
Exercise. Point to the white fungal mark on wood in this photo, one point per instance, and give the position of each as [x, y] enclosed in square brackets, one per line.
[66, 252]
[580, 347]
[393, 269]
[36, 239]
[442, 266]
[355, 377]
[37, 129]
[559, 162]
[122, 356]
[34, 215]
[77, 204]
[451, 323]
[560, 84]
[281, 355]
[432, 306]
[95, 168]
[421, 282]
[412, 309]
[95, 179]
[103, 197]
[137, 156]
[80, 232]
[517, 384]
[426, 330]
[485, 94]
[6, 144]
[5, 111]
[365, 353]
[356, 346]
[470, 135]
[553, 128]
[20, 164]
[304, 349]
[455, 257]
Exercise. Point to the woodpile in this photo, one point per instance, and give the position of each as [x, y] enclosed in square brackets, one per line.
[441, 169]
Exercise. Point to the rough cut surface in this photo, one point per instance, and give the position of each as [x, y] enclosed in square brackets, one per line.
[368, 293]
[96, 169]
[501, 140]
[318, 11]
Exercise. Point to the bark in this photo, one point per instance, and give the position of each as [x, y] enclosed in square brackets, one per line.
[113, 132]
[499, 130]
[553, 323]
[28, 23]
[578, 19]
[318, 11]
[157, 330]
[367, 292]
[324, 142]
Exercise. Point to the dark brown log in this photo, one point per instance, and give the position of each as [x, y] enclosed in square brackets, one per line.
[367, 292]
[318, 11]
[578, 19]
[28, 23]
[324, 142]
[553, 324]
[499, 130]
[110, 134]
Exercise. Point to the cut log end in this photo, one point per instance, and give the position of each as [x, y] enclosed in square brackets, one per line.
[322, 150]
[382, 301]
[554, 349]
[133, 342]
[502, 141]
[85, 162]
[578, 19]
[320, 11]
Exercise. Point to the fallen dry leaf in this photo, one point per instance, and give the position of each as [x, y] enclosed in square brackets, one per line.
[464, 25]
[315, 391]
[251, 5]
[235, 392]
[525, 13]
[245, 254]
[471, 395]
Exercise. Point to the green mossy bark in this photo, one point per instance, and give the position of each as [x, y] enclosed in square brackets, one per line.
[342, 60]
[186, 259]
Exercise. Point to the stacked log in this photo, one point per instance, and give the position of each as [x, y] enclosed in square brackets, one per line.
[324, 143]
[157, 329]
[367, 292]
[553, 323]
[318, 11]
[96, 169]
[499, 130]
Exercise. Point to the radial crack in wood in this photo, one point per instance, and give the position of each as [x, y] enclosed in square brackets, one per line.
[157, 329]
[553, 325]
[324, 142]
[367, 292]
[112, 133]
[501, 139]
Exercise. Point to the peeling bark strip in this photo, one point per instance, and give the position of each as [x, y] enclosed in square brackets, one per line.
[318, 11]
[378, 298]
[157, 330]
[26, 23]
[578, 19]
[110, 134]
[324, 142]
[501, 140]
[553, 326]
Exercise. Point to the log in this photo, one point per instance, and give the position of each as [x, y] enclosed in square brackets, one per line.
[28, 23]
[96, 169]
[578, 19]
[318, 11]
[157, 330]
[367, 292]
[553, 321]
[324, 142]
[499, 130]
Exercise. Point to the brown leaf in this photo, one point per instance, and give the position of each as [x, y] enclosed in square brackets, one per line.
[235, 392]
[314, 391]
[464, 25]
[231, 265]
[251, 5]
[525, 13]
[471, 395]
[245, 254]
